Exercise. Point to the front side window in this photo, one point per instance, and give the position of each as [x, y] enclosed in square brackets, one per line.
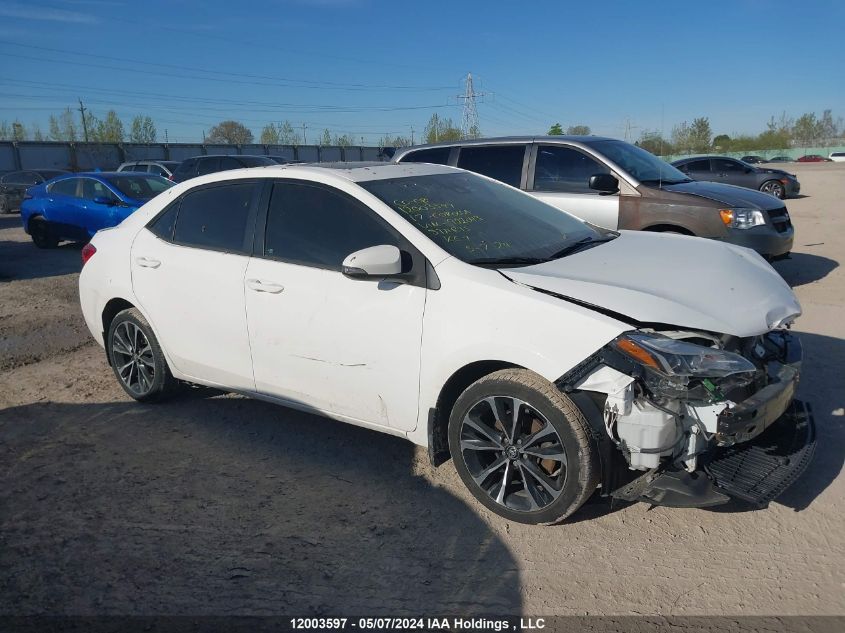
[722, 165]
[217, 218]
[503, 163]
[316, 226]
[565, 169]
[436, 155]
[483, 222]
[66, 187]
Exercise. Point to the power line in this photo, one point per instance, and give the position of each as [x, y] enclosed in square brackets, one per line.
[307, 83]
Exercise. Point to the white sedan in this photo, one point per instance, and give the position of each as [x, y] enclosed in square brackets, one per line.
[547, 357]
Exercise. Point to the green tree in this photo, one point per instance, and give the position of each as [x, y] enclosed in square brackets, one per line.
[653, 141]
[701, 135]
[269, 135]
[36, 132]
[438, 129]
[287, 135]
[722, 141]
[5, 131]
[827, 127]
[555, 130]
[143, 130]
[393, 141]
[18, 131]
[230, 133]
[578, 130]
[326, 138]
[108, 130]
[806, 129]
[63, 127]
[345, 140]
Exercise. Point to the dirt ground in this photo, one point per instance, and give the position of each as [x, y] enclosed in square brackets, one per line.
[216, 504]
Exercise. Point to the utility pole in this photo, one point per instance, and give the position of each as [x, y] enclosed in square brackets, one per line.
[469, 120]
[84, 122]
[166, 140]
[304, 138]
[412, 135]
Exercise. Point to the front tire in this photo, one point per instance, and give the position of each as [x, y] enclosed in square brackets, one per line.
[522, 447]
[137, 359]
[774, 188]
[42, 234]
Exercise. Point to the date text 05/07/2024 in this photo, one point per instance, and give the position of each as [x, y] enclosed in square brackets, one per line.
[419, 624]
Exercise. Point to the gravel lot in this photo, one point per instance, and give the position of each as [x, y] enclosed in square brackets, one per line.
[216, 504]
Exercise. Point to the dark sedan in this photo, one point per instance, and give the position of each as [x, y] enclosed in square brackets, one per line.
[15, 183]
[731, 171]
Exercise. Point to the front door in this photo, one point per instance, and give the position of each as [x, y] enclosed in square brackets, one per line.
[562, 179]
[320, 339]
[188, 270]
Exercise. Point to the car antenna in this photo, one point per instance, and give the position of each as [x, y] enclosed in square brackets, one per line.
[660, 171]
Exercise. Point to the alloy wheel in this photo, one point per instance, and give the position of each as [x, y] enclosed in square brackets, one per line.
[774, 188]
[133, 358]
[513, 453]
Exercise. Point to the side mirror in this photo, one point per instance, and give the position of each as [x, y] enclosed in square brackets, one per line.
[375, 262]
[605, 183]
[105, 200]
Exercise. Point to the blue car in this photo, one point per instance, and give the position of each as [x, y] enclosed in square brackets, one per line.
[75, 206]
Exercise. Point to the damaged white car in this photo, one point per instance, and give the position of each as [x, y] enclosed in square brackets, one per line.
[548, 358]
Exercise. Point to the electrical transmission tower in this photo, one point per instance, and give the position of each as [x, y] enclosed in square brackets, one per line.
[469, 121]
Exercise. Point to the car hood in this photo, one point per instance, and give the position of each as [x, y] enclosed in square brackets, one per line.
[728, 195]
[777, 172]
[677, 280]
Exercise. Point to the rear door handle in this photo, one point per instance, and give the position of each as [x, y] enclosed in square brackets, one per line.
[264, 286]
[146, 262]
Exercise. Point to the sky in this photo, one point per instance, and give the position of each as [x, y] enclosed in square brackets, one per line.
[369, 68]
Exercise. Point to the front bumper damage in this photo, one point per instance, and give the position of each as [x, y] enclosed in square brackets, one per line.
[756, 471]
[758, 447]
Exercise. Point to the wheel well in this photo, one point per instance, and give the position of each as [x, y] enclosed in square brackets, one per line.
[438, 418]
[660, 228]
[109, 312]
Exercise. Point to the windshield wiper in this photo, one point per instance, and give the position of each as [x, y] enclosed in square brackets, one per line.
[508, 261]
[583, 243]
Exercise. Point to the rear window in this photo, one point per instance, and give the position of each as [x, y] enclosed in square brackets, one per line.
[502, 162]
[698, 165]
[436, 155]
[256, 161]
[216, 218]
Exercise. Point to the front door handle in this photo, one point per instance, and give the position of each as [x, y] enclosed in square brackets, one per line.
[264, 286]
[146, 262]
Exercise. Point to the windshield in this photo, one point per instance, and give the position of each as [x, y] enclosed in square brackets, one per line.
[481, 221]
[642, 165]
[139, 186]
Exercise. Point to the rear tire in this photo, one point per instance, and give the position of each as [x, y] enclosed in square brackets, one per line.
[42, 233]
[137, 359]
[522, 447]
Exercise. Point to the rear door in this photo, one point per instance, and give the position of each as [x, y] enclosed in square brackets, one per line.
[188, 270]
[63, 207]
[560, 176]
[699, 169]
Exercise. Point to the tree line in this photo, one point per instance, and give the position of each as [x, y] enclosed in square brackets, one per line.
[783, 132]
[685, 138]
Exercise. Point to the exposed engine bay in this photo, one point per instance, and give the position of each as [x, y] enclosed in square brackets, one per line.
[674, 402]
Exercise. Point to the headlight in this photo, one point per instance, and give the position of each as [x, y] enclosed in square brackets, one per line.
[742, 218]
[679, 358]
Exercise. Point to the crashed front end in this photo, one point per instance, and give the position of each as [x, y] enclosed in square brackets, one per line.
[703, 417]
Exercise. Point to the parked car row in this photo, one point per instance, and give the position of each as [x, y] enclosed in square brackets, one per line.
[616, 185]
[548, 357]
[808, 158]
[731, 171]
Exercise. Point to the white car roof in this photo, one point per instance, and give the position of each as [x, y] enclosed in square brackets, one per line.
[364, 171]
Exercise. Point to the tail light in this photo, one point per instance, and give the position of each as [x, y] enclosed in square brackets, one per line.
[88, 252]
